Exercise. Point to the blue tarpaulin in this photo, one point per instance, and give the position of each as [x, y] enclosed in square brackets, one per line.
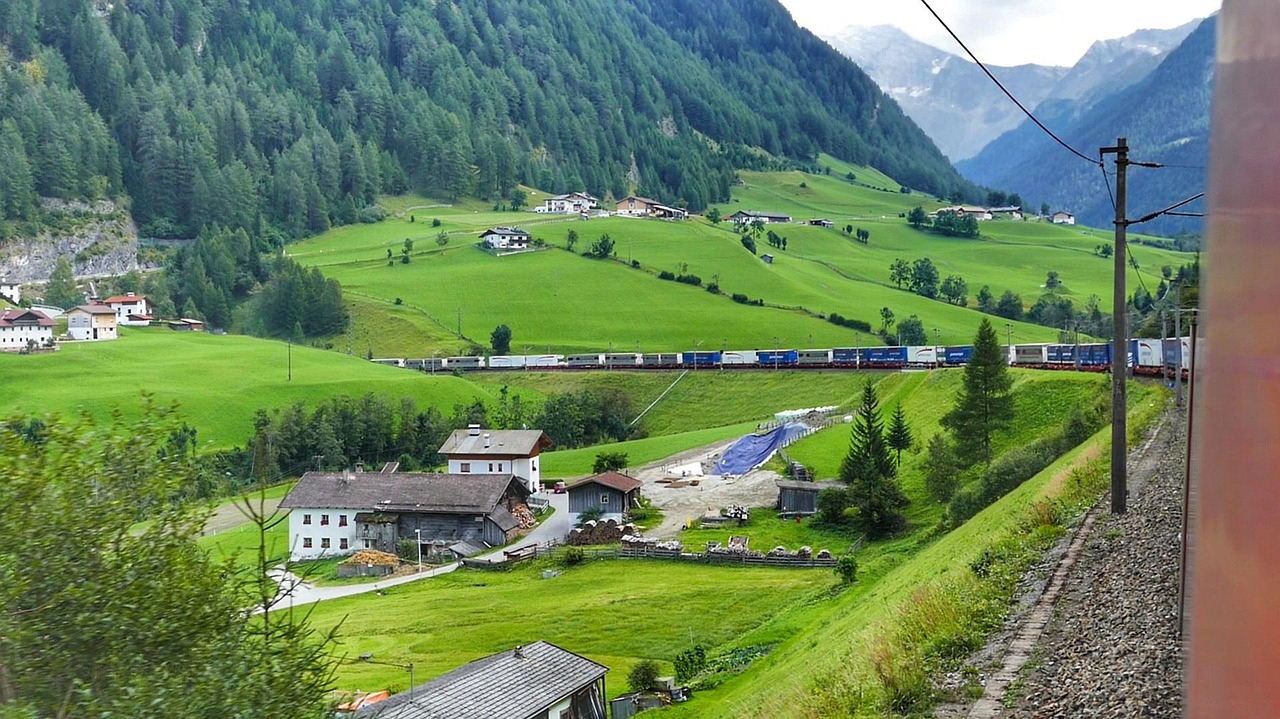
[754, 450]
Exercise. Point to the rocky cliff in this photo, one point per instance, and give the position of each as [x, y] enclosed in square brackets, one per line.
[97, 238]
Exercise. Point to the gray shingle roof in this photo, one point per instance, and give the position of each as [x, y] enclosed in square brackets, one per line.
[613, 480]
[501, 686]
[813, 486]
[502, 442]
[401, 491]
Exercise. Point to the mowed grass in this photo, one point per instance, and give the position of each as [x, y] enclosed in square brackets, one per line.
[614, 612]
[217, 382]
[578, 462]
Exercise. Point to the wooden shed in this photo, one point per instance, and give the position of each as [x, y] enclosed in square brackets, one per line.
[801, 497]
[610, 492]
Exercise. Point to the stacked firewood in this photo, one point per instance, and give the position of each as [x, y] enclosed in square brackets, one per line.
[605, 531]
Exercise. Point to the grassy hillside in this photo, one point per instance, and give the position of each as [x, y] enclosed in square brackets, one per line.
[561, 302]
[218, 382]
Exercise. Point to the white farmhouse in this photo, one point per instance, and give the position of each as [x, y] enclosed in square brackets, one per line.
[1063, 218]
[506, 238]
[91, 322]
[574, 202]
[497, 451]
[131, 310]
[20, 329]
[10, 290]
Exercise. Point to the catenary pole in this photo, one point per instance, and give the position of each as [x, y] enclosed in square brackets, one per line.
[1120, 351]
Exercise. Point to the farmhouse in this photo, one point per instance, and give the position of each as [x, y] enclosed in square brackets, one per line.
[978, 213]
[749, 216]
[1063, 218]
[822, 222]
[535, 681]
[131, 309]
[506, 238]
[801, 497]
[610, 492]
[336, 513]
[186, 324]
[574, 202]
[1012, 212]
[634, 206]
[10, 290]
[24, 329]
[91, 322]
[490, 451]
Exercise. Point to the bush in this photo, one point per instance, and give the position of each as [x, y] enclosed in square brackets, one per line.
[635, 264]
[590, 515]
[832, 504]
[573, 556]
[664, 275]
[847, 569]
[837, 319]
[740, 298]
[690, 663]
[609, 462]
[714, 288]
[371, 214]
[643, 676]
[694, 280]
[435, 222]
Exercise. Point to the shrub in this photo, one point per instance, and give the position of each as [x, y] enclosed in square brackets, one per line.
[635, 264]
[399, 301]
[847, 569]
[664, 275]
[435, 222]
[371, 214]
[690, 663]
[573, 556]
[740, 298]
[694, 280]
[643, 676]
[590, 515]
[832, 504]
[714, 288]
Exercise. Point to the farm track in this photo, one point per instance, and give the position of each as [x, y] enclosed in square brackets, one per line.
[1101, 640]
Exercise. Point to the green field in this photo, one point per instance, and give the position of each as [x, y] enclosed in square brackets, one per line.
[217, 382]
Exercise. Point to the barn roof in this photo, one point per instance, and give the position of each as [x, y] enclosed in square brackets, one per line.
[515, 684]
[807, 486]
[401, 492]
[612, 480]
[501, 442]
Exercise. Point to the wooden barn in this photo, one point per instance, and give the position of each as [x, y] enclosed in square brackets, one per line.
[801, 497]
[610, 492]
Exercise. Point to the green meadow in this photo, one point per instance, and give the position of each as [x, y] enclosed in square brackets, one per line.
[216, 382]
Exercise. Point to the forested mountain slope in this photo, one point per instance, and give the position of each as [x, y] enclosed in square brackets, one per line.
[293, 115]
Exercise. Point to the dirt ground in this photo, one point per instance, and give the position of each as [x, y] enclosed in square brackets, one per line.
[230, 514]
[681, 503]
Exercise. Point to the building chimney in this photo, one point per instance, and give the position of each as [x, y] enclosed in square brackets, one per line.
[360, 466]
[473, 430]
[346, 475]
[519, 653]
[486, 440]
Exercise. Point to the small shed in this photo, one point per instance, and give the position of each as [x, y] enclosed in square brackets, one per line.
[821, 222]
[796, 497]
[768, 258]
[610, 492]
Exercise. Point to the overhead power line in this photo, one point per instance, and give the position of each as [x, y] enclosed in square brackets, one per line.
[1005, 90]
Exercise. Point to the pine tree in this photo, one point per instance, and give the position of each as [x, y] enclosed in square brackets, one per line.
[941, 467]
[984, 404]
[61, 290]
[899, 436]
[869, 471]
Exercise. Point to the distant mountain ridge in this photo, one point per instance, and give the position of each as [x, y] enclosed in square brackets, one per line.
[1165, 116]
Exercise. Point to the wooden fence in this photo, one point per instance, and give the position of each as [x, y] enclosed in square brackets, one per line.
[552, 549]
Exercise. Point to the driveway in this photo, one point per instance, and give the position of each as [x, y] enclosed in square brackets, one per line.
[556, 527]
[295, 592]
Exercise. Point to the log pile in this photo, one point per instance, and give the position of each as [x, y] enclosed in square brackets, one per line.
[374, 557]
[524, 516]
[601, 532]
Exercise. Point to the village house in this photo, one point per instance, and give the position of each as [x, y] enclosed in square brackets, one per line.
[505, 238]
[1011, 212]
[796, 497]
[749, 216]
[10, 290]
[24, 329]
[822, 222]
[497, 451]
[445, 515]
[131, 310]
[1063, 218]
[534, 681]
[91, 322]
[573, 202]
[186, 324]
[977, 213]
[612, 493]
[633, 206]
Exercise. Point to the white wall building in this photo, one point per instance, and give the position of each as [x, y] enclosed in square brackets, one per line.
[1064, 218]
[10, 290]
[497, 451]
[130, 309]
[19, 328]
[574, 202]
[316, 532]
[506, 238]
[91, 322]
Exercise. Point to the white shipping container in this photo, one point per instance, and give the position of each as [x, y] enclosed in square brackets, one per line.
[506, 361]
[738, 357]
[922, 355]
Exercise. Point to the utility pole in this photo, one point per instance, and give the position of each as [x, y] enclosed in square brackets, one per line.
[1120, 351]
[290, 360]
[1177, 353]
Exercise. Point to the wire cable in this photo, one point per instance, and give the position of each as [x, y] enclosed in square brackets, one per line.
[1107, 179]
[1005, 90]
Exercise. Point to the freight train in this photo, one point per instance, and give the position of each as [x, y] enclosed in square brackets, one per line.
[1145, 357]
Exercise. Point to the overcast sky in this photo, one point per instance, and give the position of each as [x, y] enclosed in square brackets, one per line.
[1006, 32]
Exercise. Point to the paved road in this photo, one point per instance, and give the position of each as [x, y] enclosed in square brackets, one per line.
[555, 528]
[295, 592]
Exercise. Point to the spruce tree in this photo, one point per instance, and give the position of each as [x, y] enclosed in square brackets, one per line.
[61, 290]
[985, 404]
[869, 471]
[899, 436]
[941, 469]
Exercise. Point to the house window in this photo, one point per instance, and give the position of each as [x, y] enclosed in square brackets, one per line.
[324, 542]
[342, 520]
[491, 468]
[604, 499]
[368, 543]
[464, 467]
[324, 520]
[342, 543]
[306, 542]
[499, 466]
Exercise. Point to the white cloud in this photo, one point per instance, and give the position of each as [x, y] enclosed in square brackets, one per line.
[1006, 32]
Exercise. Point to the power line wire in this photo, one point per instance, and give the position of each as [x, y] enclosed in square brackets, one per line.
[1005, 90]
[1107, 179]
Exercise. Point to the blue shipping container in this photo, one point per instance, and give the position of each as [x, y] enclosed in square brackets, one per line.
[848, 355]
[700, 359]
[777, 358]
[1062, 354]
[957, 355]
[886, 356]
[1095, 355]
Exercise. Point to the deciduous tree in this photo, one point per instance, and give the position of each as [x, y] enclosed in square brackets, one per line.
[500, 339]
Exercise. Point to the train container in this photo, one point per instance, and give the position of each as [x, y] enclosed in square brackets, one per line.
[418, 364]
[922, 356]
[777, 358]
[1095, 355]
[700, 359]
[591, 360]
[957, 355]
[885, 357]
[622, 359]
[660, 359]
[429, 364]
[814, 358]
[738, 358]
[389, 361]
[1171, 353]
[507, 362]
[848, 356]
[1031, 354]
[544, 361]
[1146, 356]
[464, 363]
[1062, 354]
